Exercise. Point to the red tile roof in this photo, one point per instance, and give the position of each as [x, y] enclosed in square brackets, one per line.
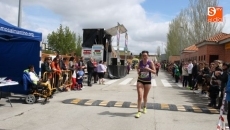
[191, 48]
[225, 37]
[218, 37]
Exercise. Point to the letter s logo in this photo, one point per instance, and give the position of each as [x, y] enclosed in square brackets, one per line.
[211, 11]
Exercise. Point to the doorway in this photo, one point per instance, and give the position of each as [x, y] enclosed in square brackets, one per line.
[213, 58]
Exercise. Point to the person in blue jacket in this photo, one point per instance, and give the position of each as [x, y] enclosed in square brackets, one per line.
[80, 75]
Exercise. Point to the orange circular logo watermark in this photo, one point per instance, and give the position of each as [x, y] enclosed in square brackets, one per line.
[215, 14]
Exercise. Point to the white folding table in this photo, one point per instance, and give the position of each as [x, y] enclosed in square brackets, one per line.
[8, 83]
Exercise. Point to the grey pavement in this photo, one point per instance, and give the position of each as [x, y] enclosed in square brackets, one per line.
[59, 115]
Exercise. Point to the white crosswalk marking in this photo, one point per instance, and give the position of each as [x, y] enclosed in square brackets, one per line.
[154, 84]
[135, 83]
[166, 83]
[179, 85]
[126, 81]
[111, 81]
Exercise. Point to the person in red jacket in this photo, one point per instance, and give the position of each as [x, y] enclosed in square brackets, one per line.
[157, 66]
[57, 71]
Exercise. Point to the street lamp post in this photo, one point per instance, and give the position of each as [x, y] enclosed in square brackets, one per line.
[107, 51]
[162, 48]
[118, 42]
[19, 13]
[181, 43]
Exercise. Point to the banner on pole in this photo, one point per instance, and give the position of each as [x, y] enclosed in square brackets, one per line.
[118, 35]
[126, 42]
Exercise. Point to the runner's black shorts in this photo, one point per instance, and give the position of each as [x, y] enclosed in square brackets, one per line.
[144, 82]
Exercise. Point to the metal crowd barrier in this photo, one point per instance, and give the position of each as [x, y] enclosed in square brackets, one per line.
[56, 80]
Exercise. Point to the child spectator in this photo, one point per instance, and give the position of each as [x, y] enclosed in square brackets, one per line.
[80, 74]
[74, 84]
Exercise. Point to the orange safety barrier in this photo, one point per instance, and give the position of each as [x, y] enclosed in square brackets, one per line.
[62, 81]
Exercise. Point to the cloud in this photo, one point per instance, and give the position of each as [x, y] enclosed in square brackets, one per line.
[227, 23]
[13, 11]
[146, 30]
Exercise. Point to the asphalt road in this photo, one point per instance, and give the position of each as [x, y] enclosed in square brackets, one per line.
[112, 107]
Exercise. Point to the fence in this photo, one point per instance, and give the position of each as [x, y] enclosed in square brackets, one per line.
[57, 80]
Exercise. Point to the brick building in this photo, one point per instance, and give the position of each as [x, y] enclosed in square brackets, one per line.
[190, 52]
[174, 58]
[216, 47]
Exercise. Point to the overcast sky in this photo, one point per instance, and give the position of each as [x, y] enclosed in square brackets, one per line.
[146, 20]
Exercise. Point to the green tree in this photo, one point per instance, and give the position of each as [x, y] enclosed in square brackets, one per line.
[173, 41]
[140, 56]
[78, 44]
[63, 40]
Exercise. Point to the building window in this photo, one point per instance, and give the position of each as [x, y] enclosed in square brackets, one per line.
[204, 57]
[199, 58]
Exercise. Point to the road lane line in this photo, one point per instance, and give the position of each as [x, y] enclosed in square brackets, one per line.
[153, 82]
[181, 108]
[133, 105]
[75, 101]
[212, 110]
[111, 81]
[164, 106]
[118, 104]
[165, 83]
[103, 103]
[126, 81]
[135, 83]
[196, 109]
[89, 103]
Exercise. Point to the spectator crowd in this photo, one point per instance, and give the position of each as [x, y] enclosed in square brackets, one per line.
[69, 74]
[211, 78]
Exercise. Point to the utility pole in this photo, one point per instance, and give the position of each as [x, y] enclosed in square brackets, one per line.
[126, 47]
[181, 43]
[19, 13]
[118, 42]
[107, 51]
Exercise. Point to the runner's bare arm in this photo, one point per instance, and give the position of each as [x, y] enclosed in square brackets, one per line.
[138, 68]
[152, 68]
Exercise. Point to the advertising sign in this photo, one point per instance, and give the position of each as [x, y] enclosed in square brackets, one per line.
[86, 53]
[98, 52]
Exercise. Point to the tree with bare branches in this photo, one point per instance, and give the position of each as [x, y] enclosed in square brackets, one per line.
[198, 28]
[191, 26]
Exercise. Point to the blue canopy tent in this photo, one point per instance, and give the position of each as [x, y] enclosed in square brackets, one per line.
[19, 48]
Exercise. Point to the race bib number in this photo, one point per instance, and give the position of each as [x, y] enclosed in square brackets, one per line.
[144, 74]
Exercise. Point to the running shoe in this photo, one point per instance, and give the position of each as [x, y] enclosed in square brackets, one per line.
[138, 114]
[144, 110]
